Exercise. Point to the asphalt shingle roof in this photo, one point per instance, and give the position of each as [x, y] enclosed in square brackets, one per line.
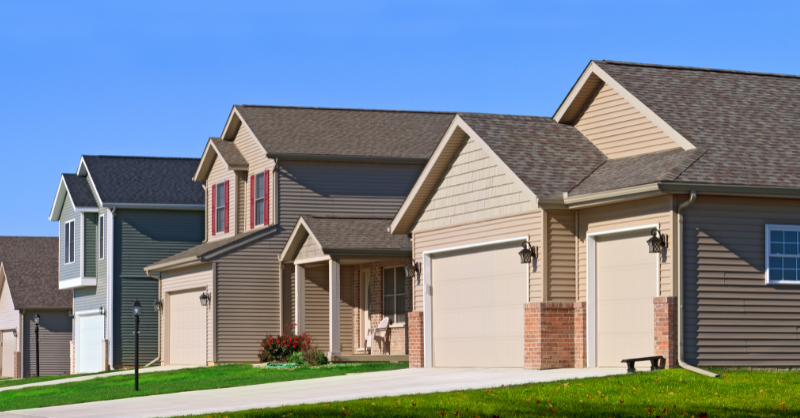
[145, 180]
[229, 152]
[749, 123]
[346, 132]
[79, 190]
[210, 246]
[355, 233]
[550, 158]
[31, 266]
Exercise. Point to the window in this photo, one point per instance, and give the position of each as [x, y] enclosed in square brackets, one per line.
[219, 208]
[101, 236]
[783, 252]
[394, 295]
[259, 199]
[69, 242]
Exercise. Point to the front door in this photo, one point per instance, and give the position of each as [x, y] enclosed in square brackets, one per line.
[9, 347]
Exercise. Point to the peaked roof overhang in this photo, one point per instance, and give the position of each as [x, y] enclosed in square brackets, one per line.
[4, 283]
[61, 196]
[207, 161]
[299, 235]
[592, 78]
[233, 124]
[436, 167]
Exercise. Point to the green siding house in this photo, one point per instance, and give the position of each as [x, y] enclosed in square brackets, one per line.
[117, 215]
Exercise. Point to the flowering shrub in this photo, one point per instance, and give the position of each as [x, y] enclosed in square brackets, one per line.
[277, 348]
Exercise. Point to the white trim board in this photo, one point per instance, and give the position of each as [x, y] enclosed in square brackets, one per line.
[77, 282]
[77, 328]
[767, 249]
[427, 305]
[591, 286]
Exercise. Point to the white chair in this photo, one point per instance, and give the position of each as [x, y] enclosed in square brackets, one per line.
[378, 333]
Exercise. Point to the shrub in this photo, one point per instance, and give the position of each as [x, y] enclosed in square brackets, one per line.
[297, 357]
[278, 348]
[314, 357]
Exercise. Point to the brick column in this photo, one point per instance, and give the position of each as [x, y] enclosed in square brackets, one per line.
[72, 357]
[104, 355]
[550, 340]
[665, 323]
[16, 365]
[580, 334]
[416, 340]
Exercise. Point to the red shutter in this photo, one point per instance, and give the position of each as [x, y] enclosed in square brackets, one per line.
[214, 209]
[252, 200]
[266, 197]
[227, 206]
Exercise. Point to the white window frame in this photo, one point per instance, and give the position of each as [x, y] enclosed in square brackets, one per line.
[394, 293]
[101, 236]
[768, 250]
[259, 220]
[70, 258]
[220, 226]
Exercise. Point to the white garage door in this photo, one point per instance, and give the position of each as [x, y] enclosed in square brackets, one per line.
[9, 347]
[187, 328]
[90, 339]
[626, 286]
[478, 307]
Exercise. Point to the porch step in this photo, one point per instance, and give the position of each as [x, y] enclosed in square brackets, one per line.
[366, 358]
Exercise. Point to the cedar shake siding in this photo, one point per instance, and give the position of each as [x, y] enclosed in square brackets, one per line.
[731, 317]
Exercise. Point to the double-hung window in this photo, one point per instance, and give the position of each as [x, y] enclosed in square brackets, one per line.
[69, 242]
[219, 207]
[783, 254]
[259, 200]
[101, 236]
[394, 295]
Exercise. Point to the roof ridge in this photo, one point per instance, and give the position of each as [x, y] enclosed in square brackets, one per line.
[350, 109]
[687, 68]
[26, 236]
[504, 116]
[134, 157]
[348, 217]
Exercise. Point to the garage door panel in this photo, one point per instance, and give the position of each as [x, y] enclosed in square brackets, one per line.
[478, 299]
[626, 285]
[9, 347]
[187, 328]
[90, 338]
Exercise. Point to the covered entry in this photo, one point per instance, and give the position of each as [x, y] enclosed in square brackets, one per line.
[477, 303]
[187, 328]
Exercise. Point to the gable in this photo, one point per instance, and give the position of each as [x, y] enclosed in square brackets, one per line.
[472, 188]
[618, 128]
[251, 149]
[309, 249]
[9, 318]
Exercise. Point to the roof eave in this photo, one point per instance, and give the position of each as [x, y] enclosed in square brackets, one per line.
[155, 206]
[162, 267]
[348, 158]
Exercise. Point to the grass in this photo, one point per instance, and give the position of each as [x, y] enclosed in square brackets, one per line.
[5, 382]
[155, 383]
[666, 393]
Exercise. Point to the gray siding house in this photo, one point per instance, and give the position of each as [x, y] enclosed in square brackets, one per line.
[117, 215]
[270, 166]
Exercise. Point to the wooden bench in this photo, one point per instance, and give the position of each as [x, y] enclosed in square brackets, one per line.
[653, 362]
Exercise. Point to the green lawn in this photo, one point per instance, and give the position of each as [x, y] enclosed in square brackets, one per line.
[117, 387]
[667, 393]
[16, 382]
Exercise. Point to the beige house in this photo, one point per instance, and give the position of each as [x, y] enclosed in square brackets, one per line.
[705, 159]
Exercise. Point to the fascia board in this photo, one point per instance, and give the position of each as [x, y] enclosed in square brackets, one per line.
[155, 206]
[347, 158]
[230, 247]
[613, 196]
[205, 162]
[183, 262]
[732, 190]
[91, 180]
[241, 120]
[58, 201]
[299, 226]
[576, 88]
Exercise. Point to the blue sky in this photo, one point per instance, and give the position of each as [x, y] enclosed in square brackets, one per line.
[159, 78]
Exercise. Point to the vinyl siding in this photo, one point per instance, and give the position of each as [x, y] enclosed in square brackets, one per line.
[288, 295]
[188, 279]
[309, 249]
[526, 224]
[257, 161]
[90, 255]
[473, 188]
[219, 173]
[143, 237]
[559, 256]
[627, 215]
[620, 130]
[731, 317]
[9, 317]
[55, 333]
[72, 270]
[346, 306]
[102, 211]
[242, 222]
[317, 311]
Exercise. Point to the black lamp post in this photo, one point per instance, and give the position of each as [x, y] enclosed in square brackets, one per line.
[36, 321]
[137, 309]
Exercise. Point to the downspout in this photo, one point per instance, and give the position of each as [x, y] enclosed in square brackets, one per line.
[679, 249]
[160, 312]
[110, 287]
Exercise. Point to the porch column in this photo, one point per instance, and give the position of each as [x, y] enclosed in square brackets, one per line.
[334, 291]
[299, 298]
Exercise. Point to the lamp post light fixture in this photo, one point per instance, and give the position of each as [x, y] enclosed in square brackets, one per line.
[528, 253]
[658, 241]
[36, 320]
[204, 298]
[137, 310]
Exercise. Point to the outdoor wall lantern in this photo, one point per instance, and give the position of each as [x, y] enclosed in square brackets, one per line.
[157, 305]
[658, 241]
[204, 298]
[102, 311]
[528, 253]
[412, 268]
[15, 333]
[70, 314]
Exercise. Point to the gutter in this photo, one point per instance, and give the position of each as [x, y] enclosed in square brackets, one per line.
[679, 242]
[156, 206]
[183, 262]
[348, 158]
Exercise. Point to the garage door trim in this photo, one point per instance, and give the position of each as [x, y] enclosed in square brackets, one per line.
[77, 329]
[427, 307]
[591, 296]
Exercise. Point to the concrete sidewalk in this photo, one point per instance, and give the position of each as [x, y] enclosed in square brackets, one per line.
[81, 378]
[328, 389]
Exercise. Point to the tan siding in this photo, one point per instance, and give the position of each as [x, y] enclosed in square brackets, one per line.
[241, 196]
[309, 249]
[559, 256]
[257, 161]
[527, 224]
[218, 175]
[288, 295]
[346, 306]
[9, 317]
[473, 187]
[316, 319]
[187, 279]
[620, 130]
[731, 317]
[627, 215]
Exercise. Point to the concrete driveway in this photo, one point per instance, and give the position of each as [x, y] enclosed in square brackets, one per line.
[328, 389]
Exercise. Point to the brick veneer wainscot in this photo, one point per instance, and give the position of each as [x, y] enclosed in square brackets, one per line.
[665, 329]
[553, 335]
[416, 340]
